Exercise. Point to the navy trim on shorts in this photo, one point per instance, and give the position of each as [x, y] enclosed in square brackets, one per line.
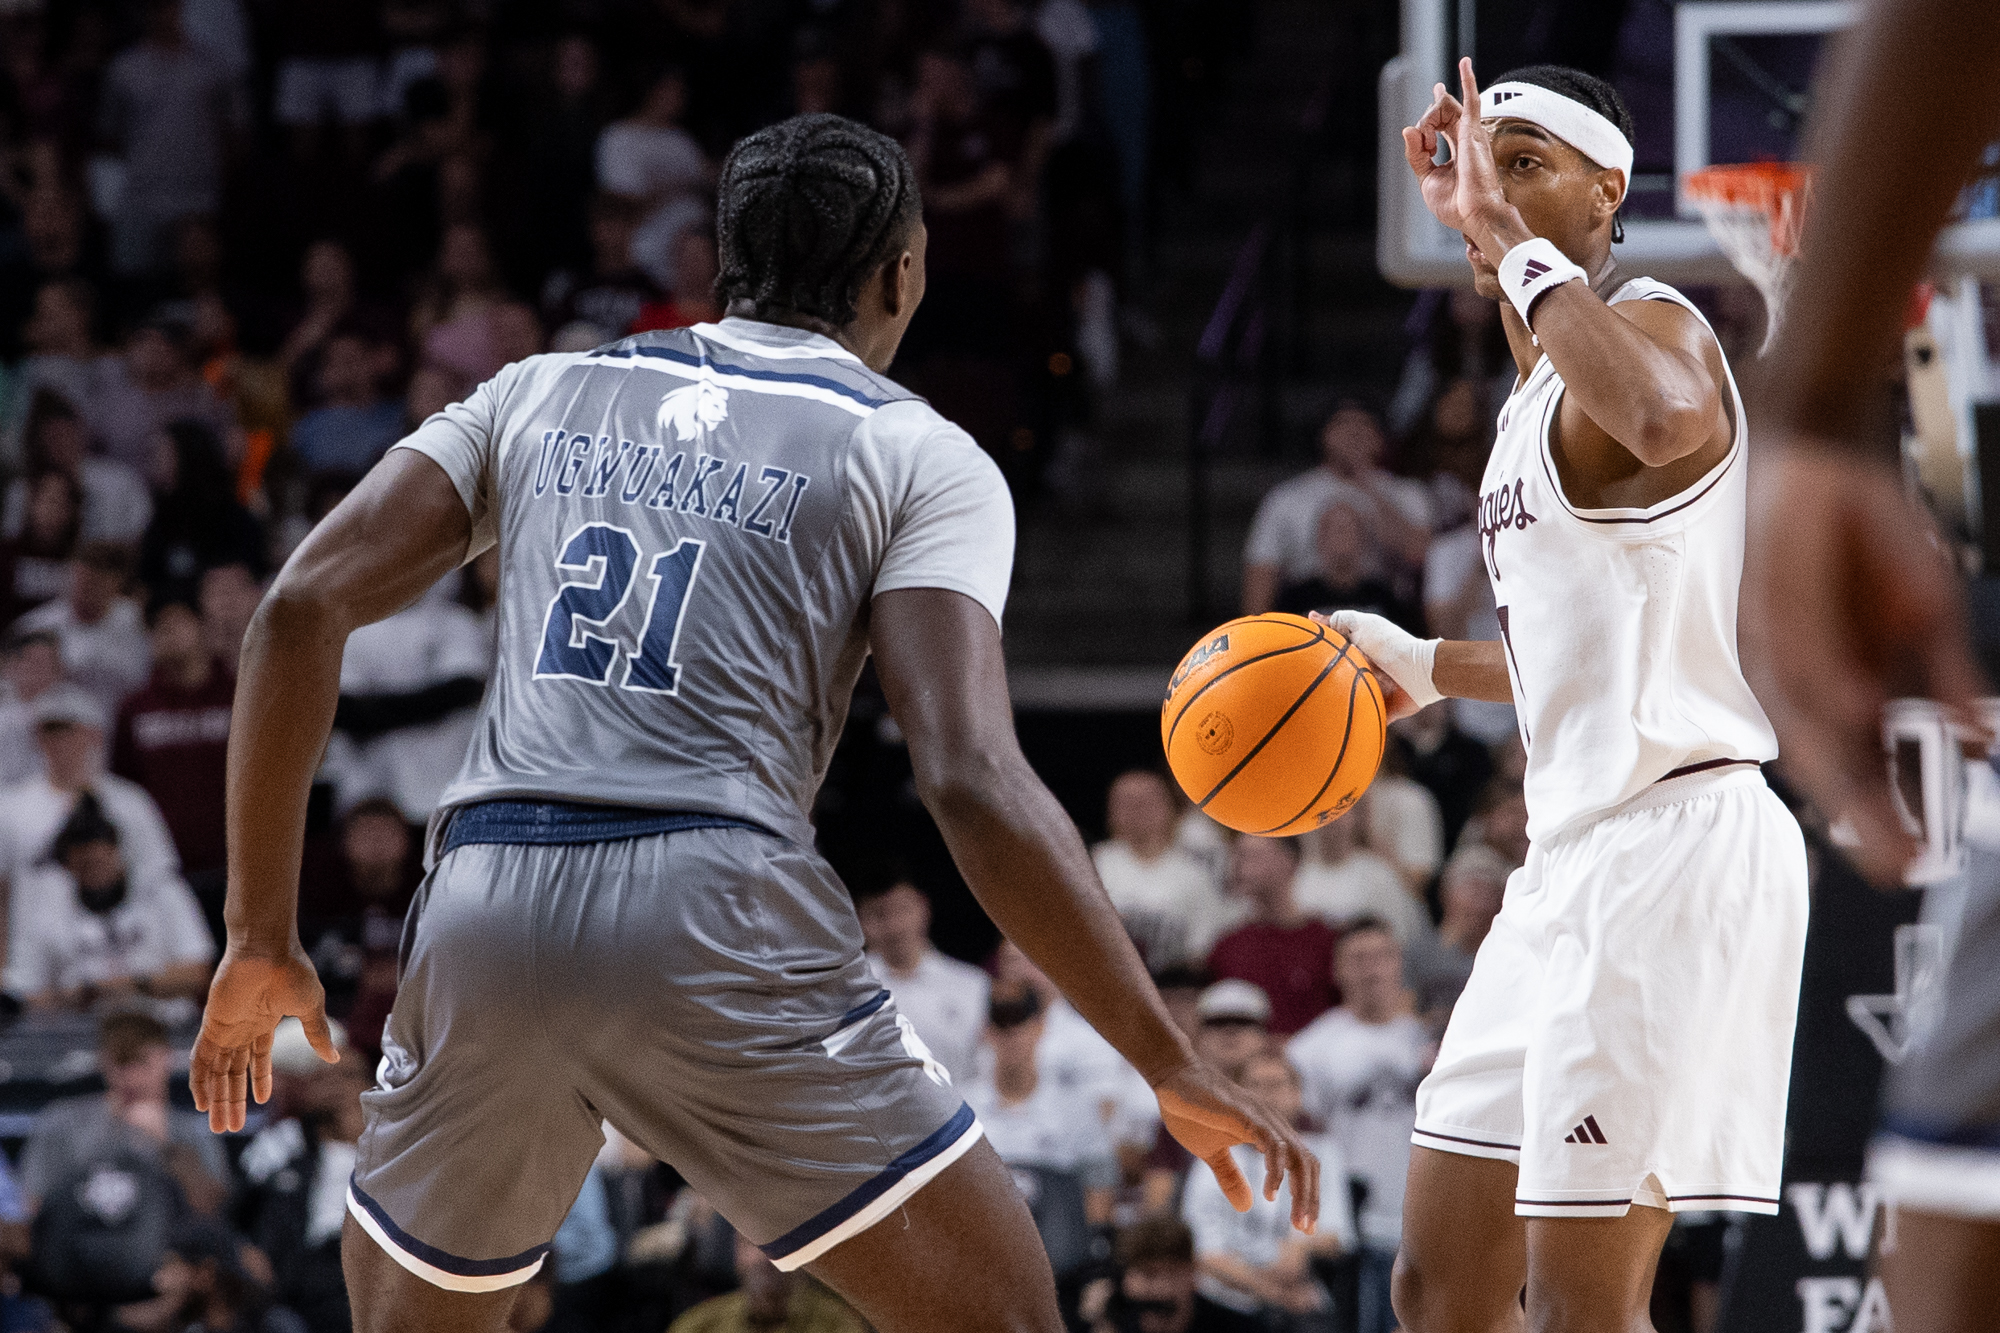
[1943, 1136]
[864, 1194]
[438, 1259]
[861, 1011]
[563, 823]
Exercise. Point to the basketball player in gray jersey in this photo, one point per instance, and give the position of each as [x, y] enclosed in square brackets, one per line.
[702, 535]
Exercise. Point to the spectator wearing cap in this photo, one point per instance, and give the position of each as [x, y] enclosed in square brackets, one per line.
[86, 928]
[156, 382]
[101, 635]
[131, 1116]
[1340, 879]
[172, 736]
[1057, 1149]
[1155, 1289]
[1360, 1065]
[944, 999]
[1254, 1262]
[30, 663]
[1170, 904]
[1282, 948]
[1229, 1024]
[1284, 544]
[69, 732]
[1437, 967]
[296, 1170]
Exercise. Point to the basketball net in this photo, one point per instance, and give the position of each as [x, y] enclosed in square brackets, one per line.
[1756, 211]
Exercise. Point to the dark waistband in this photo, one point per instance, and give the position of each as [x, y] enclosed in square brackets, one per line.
[1706, 765]
[564, 822]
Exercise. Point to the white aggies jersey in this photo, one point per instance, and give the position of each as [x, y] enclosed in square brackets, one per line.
[1619, 624]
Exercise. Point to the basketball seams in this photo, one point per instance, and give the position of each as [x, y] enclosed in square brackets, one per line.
[1277, 726]
[1346, 738]
[1319, 636]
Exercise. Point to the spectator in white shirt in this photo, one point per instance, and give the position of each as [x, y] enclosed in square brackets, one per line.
[944, 999]
[99, 632]
[1058, 1150]
[648, 157]
[1360, 1065]
[409, 697]
[1077, 1058]
[1340, 880]
[1436, 967]
[116, 504]
[1254, 1262]
[1401, 823]
[1171, 905]
[86, 929]
[69, 731]
[1284, 537]
[32, 664]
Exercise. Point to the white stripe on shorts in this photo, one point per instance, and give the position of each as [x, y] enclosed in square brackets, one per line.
[430, 1273]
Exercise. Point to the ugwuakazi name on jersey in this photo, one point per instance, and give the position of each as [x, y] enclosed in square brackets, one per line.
[705, 485]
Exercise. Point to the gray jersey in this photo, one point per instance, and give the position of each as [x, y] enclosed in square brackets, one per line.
[691, 527]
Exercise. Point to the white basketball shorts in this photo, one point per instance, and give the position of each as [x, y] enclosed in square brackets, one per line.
[1626, 1036]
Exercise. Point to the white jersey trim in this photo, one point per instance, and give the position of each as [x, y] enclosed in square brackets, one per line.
[821, 348]
[743, 383]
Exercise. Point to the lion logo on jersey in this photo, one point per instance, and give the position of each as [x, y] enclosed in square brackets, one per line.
[691, 410]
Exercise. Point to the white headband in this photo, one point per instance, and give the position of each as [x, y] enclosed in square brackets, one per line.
[1569, 120]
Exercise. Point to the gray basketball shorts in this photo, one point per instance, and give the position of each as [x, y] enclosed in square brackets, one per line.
[1938, 1149]
[704, 991]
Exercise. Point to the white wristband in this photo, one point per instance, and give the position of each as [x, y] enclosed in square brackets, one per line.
[1532, 268]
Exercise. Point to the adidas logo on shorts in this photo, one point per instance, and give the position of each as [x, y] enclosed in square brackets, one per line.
[1587, 1132]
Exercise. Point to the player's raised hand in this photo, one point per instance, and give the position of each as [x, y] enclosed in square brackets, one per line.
[1849, 602]
[232, 1056]
[1209, 1115]
[1476, 184]
[1458, 190]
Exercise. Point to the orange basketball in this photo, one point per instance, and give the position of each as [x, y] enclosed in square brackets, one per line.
[1274, 724]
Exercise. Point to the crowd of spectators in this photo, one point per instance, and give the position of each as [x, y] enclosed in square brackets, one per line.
[244, 246]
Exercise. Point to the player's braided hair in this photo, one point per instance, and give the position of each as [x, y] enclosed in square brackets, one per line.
[807, 210]
[1592, 92]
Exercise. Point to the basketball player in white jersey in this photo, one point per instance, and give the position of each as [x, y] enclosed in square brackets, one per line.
[1860, 604]
[1623, 1048]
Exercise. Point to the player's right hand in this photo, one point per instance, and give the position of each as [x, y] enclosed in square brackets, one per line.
[1401, 660]
[232, 1056]
[1209, 1115]
[1849, 602]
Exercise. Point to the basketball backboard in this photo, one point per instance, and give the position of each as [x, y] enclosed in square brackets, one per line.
[1708, 81]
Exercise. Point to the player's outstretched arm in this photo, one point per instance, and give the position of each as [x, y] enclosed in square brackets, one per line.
[401, 530]
[1851, 598]
[939, 658]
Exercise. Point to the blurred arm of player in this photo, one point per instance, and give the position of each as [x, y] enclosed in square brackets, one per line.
[939, 658]
[401, 530]
[1852, 601]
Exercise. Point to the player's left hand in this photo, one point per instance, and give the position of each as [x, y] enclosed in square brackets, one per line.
[1464, 192]
[1209, 1115]
[232, 1056]
[1848, 603]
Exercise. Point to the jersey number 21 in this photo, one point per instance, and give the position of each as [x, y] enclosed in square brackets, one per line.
[600, 560]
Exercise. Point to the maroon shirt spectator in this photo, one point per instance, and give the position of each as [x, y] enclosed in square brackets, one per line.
[1280, 949]
[173, 735]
